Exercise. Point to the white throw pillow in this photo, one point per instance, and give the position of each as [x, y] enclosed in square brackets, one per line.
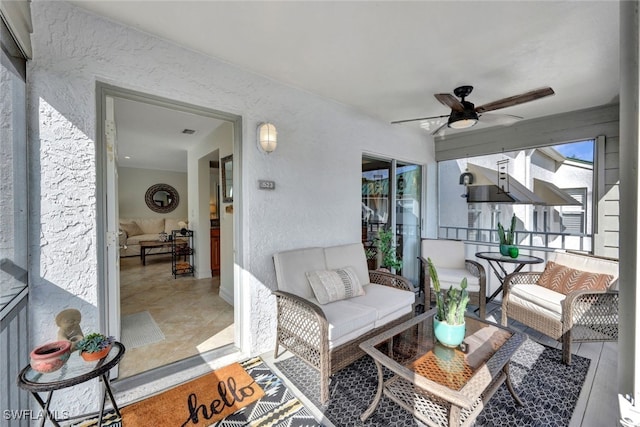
[132, 228]
[334, 285]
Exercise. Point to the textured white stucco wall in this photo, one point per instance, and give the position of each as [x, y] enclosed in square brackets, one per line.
[316, 166]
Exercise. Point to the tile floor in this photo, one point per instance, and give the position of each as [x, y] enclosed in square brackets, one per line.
[193, 318]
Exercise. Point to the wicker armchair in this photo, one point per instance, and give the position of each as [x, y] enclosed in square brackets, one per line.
[448, 256]
[303, 327]
[580, 316]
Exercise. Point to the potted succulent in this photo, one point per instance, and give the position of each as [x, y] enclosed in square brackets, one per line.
[388, 250]
[94, 346]
[448, 323]
[508, 239]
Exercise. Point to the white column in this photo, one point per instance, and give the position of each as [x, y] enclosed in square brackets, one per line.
[628, 344]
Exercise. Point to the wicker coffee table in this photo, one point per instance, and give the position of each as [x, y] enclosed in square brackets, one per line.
[442, 386]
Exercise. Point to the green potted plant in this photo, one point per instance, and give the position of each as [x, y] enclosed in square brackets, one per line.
[448, 323]
[508, 239]
[388, 250]
[372, 254]
[94, 346]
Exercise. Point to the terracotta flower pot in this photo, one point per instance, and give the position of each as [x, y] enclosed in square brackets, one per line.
[51, 356]
[97, 355]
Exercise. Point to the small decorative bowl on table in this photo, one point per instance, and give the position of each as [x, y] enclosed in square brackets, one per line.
[51, 356]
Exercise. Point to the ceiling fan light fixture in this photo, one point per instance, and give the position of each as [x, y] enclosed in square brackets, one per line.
[462, 119]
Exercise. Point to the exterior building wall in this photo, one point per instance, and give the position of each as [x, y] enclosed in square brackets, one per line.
[608, 224]
[524, 166]
[316, 167]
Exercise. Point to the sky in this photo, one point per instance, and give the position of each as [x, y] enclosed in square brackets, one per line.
[582, 150]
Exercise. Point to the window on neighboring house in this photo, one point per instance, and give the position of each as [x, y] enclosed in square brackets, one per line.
[574, 217]
[473, 222]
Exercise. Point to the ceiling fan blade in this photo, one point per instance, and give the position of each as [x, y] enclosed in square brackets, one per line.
[515, 100]
[439, 129]
[450, 101]
[415, 120]
[499, 119]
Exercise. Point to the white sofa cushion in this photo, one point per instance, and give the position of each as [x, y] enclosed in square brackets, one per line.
[444, 253]
[453, 276]
[151, 225]
[537, 298]
[131, 228]
[334, 285]
[350, 255]
[389, 303]
[292, 266]
[346, 320]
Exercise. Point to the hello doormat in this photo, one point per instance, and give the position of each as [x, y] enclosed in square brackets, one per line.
[198, 403]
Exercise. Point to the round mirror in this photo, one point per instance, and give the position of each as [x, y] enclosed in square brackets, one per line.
[162, 198]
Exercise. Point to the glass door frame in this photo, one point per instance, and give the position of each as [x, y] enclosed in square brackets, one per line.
[392, 206]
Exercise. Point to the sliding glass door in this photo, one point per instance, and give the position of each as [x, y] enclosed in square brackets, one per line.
[392, 204]
[408, 179]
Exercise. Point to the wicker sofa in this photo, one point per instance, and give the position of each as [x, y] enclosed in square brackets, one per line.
[586, 310]
[327, 336]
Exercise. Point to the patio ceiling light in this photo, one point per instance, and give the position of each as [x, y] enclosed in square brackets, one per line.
[267, 137]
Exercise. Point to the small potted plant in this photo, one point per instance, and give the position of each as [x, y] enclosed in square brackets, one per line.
[448, 323]
[388, 250]
[508, 239]
[372, 254]
[94, 346]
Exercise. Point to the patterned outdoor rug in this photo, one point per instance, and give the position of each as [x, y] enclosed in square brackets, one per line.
[277, 408]
[548, 388]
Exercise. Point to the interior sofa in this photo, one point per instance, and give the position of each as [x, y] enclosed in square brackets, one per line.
[134, 230]
[575, 299]
[324, 328]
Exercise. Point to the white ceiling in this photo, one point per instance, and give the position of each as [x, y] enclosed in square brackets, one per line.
[388, 58]
[150, 137]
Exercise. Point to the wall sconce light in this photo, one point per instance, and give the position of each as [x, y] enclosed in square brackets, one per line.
[267, 137]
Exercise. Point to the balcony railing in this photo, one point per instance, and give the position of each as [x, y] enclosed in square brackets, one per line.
[533, 239]
[14, 354]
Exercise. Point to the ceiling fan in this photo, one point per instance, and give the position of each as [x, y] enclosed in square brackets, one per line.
[464, 114]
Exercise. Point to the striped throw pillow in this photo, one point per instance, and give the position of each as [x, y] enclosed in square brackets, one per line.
[334, 285]
[563, 279]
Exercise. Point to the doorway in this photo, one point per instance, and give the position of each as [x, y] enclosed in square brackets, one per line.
[393, 204]
[145, 142]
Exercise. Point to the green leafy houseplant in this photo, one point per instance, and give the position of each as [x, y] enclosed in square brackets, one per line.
[94, 342]
[507, 237]
[388, 250]
[452, 304]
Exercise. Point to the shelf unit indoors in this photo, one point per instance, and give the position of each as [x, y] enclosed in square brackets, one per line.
[182, 253]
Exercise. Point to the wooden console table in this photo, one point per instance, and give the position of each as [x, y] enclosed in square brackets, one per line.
[147, 245]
